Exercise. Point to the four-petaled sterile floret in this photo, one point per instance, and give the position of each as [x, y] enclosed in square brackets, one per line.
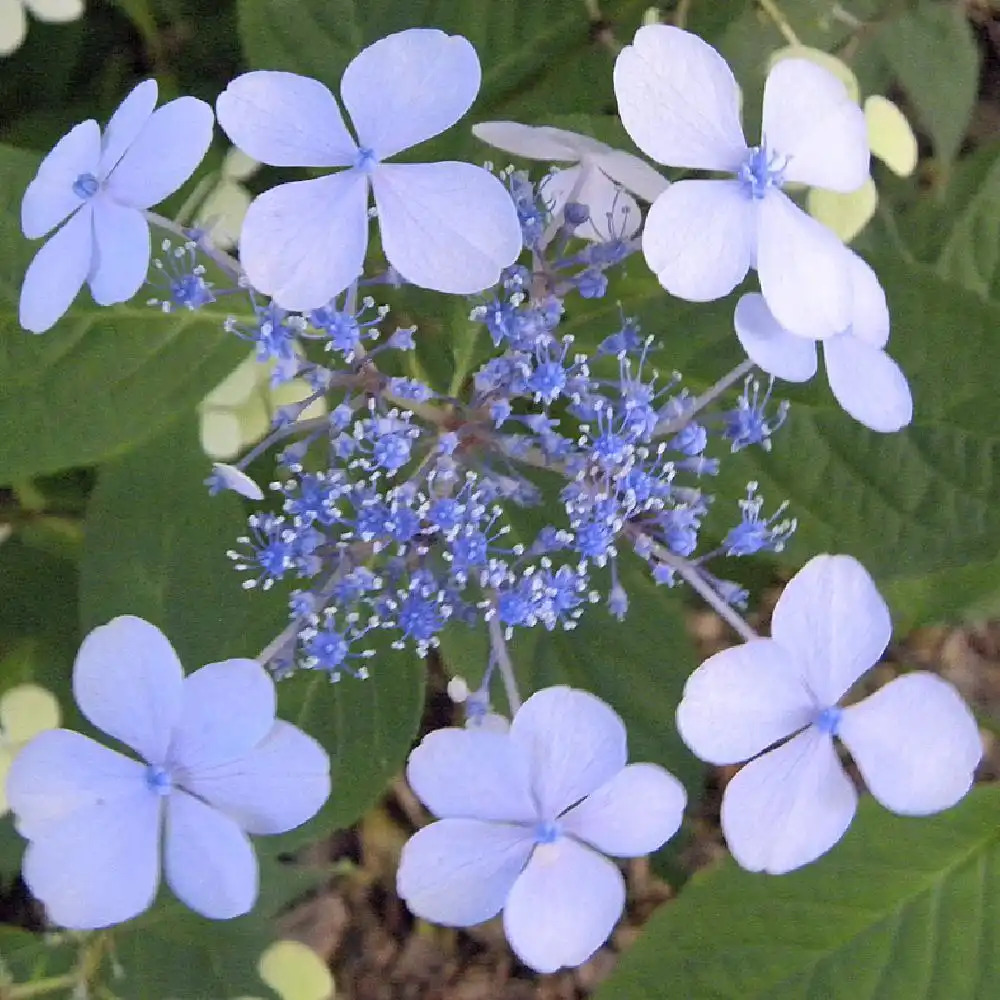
[681, 104]
[914, 741]
[214, 765]
[95, 186]
[525, 819]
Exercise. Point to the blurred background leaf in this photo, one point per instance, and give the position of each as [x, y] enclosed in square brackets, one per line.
[933, 54]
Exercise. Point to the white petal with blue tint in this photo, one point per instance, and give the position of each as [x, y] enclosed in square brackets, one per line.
[743, 699]
[285, 120]
[282, 782]
[408, 87]
[230, 478]
[472, 773]
[916, 743]
[679, 100]
[227, 708]
[564, 906]
[769, 345]
[57, 272]
[101, 865]
[789, 806]
[559, 186]
[803, 268]
[631, 173]
[699, 238]
[575, 743]
[60, 773]
[459, 872]
[127, 681]
[126, 123]
[164, 154]
[869, 310]
[868, 384]
[450, 226]
[121, 252]
[303, 243]
[834, 622]
[613, 212]
[208, 860]
[634, 813]
[810, 119]
[50, 196]
[551, 145]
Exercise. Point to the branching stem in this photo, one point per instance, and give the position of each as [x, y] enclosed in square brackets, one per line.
[499, 646]
[692, 575]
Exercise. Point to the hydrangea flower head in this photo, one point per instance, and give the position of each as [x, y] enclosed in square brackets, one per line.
[867, 383]
[14, 18]
[214, 766]
[526, 818]
[447, 226]
[679, 101]
[914, 740]
[600, 177]
[96, 186]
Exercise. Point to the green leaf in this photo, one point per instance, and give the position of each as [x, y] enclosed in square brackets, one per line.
[933, 53]
[38, 630]
[967, 593]
[38, 642]
[155, 546]
[102, 379]
[172, 952]
[902, 908]
[367, 727]
[28, 957]
[957, 230]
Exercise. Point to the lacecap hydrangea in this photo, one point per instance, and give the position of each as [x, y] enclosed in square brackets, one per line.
[396, 508]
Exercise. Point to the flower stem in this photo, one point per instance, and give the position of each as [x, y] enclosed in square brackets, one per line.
[89, 961]
[228, 264]
[691, 575]
[773, 11]
[38, 987]
[499, 647]
[700, 402]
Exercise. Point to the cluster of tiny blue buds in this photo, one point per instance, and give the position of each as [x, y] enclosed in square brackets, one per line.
[400, 512]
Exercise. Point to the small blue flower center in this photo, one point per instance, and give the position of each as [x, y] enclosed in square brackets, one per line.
[190, 291]
[86, 186]
[828, 720]
[158, 780]
[366, 160]
[547, 832]
[761, 171]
